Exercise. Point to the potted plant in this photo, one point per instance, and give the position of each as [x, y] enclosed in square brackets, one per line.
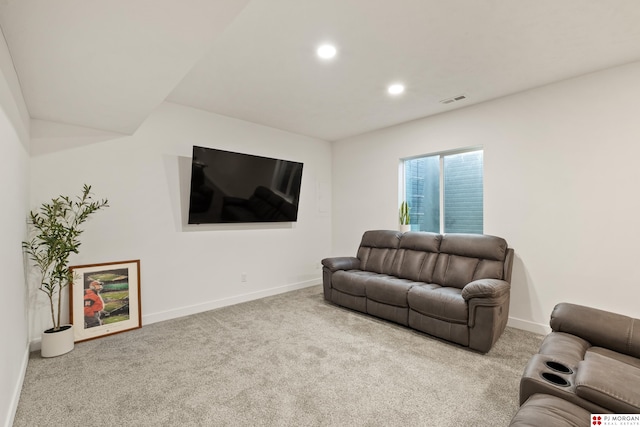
[405, 218]
[56, 230]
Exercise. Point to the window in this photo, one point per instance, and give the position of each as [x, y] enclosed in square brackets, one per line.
[445, 192]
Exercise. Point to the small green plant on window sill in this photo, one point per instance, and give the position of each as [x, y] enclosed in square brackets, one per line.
[405, 218]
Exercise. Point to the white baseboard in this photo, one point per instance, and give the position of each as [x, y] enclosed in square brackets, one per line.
[35, 344]
[147, 319]
[236, 299]
[527, 325]
[15, 398]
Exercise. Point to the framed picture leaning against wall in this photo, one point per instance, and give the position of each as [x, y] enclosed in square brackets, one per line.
[104, 299]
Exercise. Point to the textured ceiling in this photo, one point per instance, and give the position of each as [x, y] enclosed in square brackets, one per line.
[107, 65]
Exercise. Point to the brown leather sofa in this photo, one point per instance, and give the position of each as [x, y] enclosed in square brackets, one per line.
[590, 360]
[452, 286]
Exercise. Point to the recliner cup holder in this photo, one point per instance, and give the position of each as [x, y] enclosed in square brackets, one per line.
[555, 379]
[558, 367]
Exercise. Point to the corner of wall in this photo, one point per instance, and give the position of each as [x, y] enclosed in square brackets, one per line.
[15, 397]
[11, 93]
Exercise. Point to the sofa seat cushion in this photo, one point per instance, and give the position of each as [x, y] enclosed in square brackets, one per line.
[389, 290]
[352, 282]
[442, 303]
[609, 383]
[625, 358]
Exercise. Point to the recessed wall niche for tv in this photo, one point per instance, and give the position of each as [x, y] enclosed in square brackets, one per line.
[229, 187]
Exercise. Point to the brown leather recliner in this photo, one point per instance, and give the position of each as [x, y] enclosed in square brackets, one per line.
[588, 364]
[591, 359]
[452, 286]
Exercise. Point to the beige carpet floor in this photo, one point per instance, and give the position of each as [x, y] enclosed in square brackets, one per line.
[288, 360]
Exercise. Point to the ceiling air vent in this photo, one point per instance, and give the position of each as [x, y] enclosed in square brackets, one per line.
[454, 99]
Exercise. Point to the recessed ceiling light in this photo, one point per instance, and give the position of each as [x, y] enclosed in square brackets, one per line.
[326, 51]
[395, 89]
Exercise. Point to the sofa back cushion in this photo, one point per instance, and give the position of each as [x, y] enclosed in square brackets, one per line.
[416, 256]
[600, 328]
[378, 250]
[464, 258]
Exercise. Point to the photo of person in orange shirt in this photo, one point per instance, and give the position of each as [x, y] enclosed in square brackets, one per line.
[93, 305]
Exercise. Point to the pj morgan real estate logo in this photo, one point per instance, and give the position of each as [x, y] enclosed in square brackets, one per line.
[607, 420]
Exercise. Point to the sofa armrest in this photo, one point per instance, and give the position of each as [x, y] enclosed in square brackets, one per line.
[485, 288]
[601, 328]
[341, 263]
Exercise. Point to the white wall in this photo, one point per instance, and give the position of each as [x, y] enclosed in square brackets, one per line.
[561, 185]
[186, 269]
[14, 174]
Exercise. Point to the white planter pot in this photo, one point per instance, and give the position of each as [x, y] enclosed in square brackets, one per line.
[405, 227]
[58, 342]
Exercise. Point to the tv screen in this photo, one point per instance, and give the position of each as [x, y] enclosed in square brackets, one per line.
[228, 187]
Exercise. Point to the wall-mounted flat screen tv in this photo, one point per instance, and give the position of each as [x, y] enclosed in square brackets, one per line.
[228, 187]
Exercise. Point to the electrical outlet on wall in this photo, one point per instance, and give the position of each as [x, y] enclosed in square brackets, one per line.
[243, 277]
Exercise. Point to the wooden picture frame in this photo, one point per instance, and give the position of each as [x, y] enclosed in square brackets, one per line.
[104, 299]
